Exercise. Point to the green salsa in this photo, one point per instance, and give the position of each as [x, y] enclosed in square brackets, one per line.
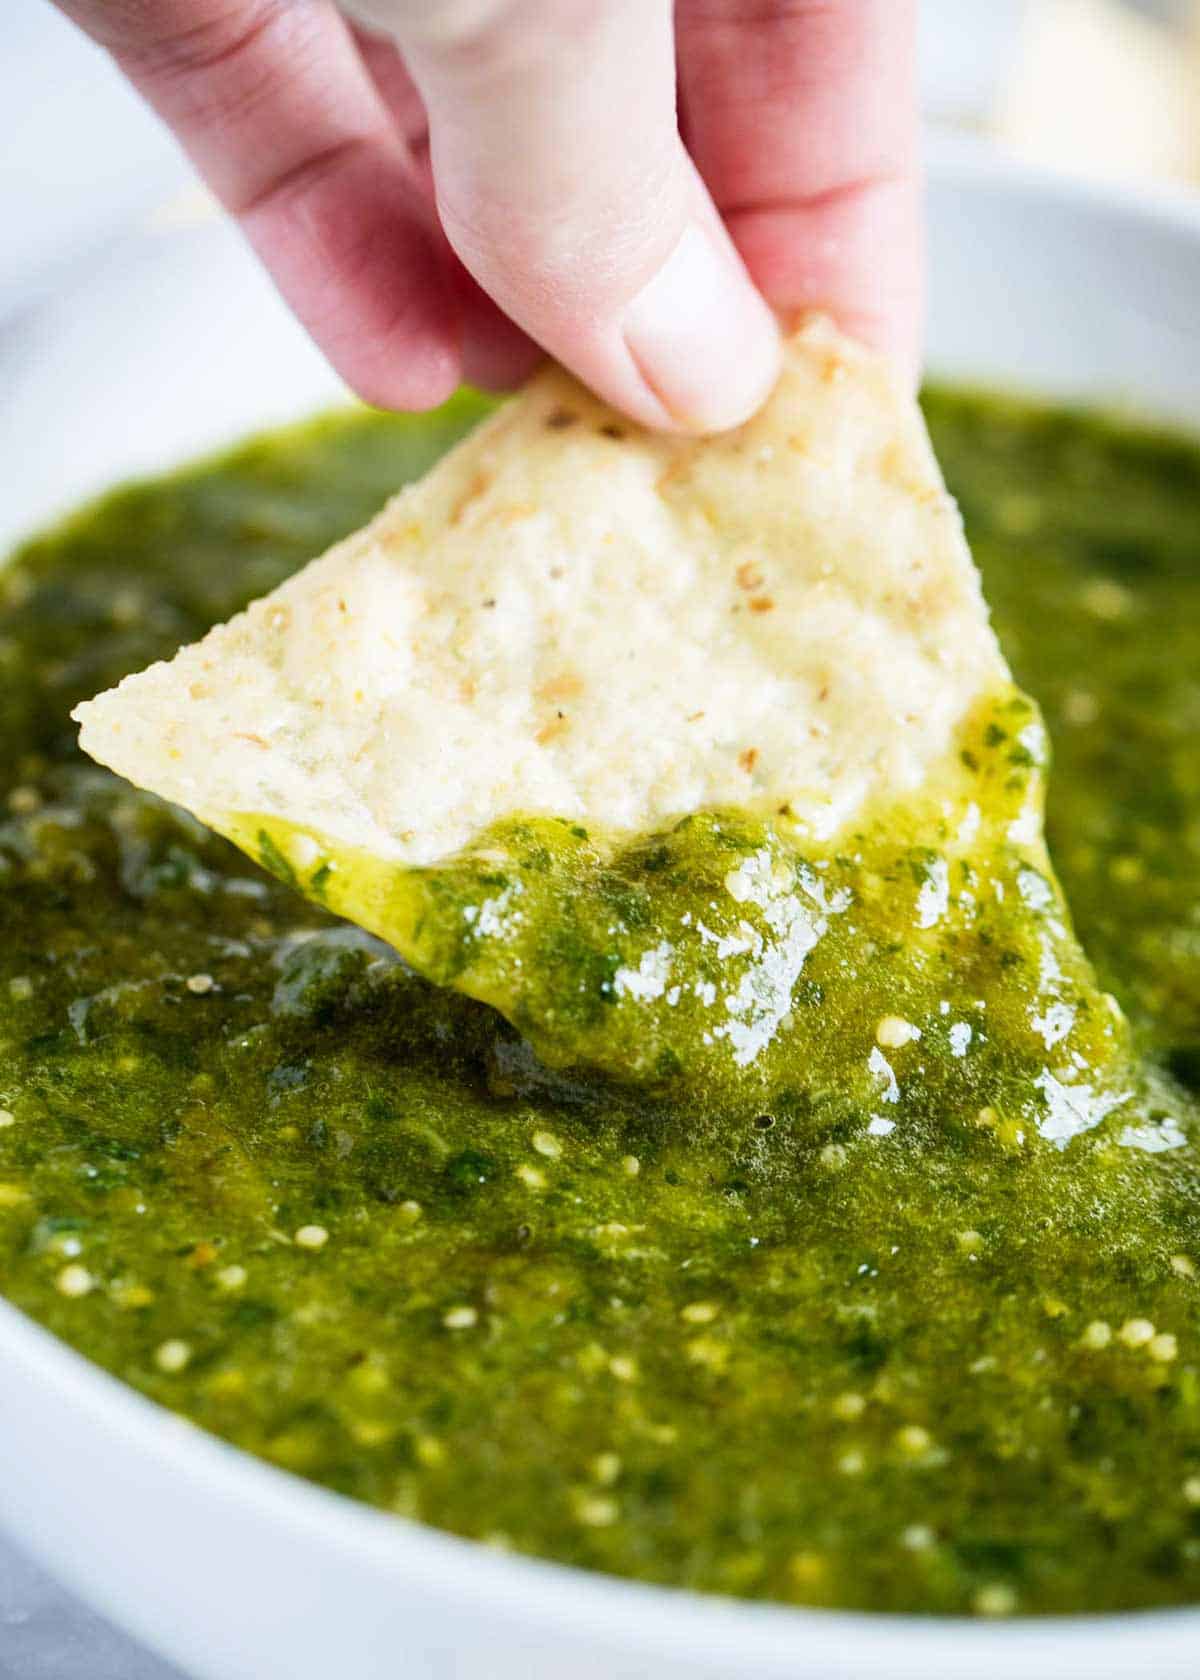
[737, 963]
[913, 1323]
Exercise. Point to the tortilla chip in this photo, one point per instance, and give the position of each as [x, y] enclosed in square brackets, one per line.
[573, 617]
[692, 758]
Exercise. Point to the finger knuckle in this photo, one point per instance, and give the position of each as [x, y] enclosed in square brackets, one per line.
[174, 41]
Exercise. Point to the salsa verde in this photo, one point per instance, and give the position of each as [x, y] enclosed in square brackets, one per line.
[906, 1331]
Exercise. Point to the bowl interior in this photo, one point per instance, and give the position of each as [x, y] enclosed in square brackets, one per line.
[174, 343]
[1064, 289]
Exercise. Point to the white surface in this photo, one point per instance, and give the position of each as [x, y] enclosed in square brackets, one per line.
[47, 1635]
[171, 341]
[967, 48]
[79, 152]
[237, 1570]
[1085, 291]
[1105, 90]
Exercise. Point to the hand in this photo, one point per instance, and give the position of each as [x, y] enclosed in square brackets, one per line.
[491, 176]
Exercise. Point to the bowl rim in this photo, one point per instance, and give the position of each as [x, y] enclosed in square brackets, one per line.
[551, 1598]
[962, 160]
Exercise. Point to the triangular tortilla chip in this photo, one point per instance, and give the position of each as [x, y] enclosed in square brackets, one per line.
[575, 617]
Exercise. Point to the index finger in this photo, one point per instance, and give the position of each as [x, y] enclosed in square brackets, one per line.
[273, 103]
[801, 116]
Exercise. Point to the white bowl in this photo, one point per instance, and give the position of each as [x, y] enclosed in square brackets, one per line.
[239, 1571]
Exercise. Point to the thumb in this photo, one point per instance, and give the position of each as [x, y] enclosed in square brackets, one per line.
[564, 187]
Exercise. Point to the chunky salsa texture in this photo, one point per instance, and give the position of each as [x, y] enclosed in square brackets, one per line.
[743, 963]
[915, 1329]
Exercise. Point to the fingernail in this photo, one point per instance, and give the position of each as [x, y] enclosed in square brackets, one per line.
[703, 339]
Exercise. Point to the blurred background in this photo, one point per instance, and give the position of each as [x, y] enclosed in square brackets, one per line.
[1107, 88]
[1103, 88]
